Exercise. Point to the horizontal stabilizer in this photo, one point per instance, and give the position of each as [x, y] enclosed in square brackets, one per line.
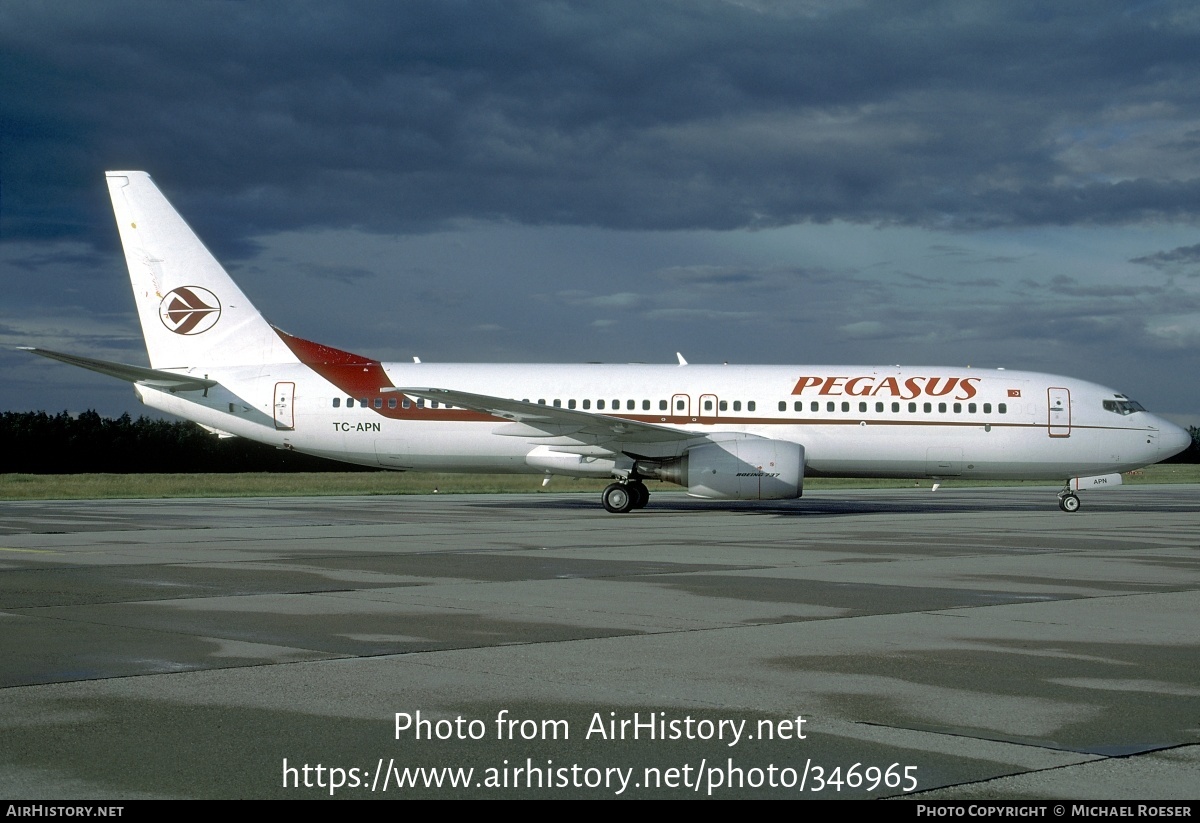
[154, 378]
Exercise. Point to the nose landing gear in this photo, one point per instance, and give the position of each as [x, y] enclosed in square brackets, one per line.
[1068, 501]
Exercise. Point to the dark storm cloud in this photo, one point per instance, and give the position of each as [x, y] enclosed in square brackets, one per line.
[1182, 256]
[949, 281]
[58, 258]
[967, 256]
[712, 276]
[707, 280]
[348, 275]
[396, 117]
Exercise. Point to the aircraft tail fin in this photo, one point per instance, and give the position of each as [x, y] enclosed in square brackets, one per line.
[191, 311]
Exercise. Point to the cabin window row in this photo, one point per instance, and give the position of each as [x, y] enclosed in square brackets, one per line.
[706, 405]
[881, 407]
[681, 406]
[392, 402]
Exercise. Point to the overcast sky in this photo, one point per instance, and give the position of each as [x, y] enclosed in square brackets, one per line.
[928, 183]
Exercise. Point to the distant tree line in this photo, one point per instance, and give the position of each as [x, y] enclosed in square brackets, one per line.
[39, 443]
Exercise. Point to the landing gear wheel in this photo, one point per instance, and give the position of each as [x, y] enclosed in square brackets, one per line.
[1069, 503]
[617, 499]
[641, 494]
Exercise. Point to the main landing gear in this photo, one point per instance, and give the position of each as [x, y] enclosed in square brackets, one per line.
[1068, 501]
[619, 498]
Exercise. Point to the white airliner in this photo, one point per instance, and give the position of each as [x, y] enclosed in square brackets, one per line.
[722, 432]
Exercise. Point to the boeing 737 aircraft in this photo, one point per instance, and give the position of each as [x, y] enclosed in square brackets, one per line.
[721, 432]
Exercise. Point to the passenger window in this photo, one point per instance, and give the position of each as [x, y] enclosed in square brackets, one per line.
[723, 405]
[662, 405]
[708, 405]
[879, 408]
[1002, 408]
[895, 408]
[587, 404]
[645, 405]
[630, 404]
[862, 406]
[845, 406]
[570, 404]
[987, 408]
[541, 401]
[349, 402]
[816, 406]
[912, 407]
[600, 404]
[391, 402]
[420, 402]
[337, 402]
[379, 402]
[678, 405]
[737, 405]
[750, 406]
[958, 408]
[971, 408]
[783, 405]
[941, 408]
[799, 405]
[557, 403]
[407, 404]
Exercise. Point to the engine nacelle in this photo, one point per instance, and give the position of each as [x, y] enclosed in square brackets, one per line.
[744, 469]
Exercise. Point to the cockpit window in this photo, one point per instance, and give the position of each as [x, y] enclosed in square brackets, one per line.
[1123, 407]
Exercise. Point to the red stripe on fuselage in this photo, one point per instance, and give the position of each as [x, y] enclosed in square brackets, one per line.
[361, 377]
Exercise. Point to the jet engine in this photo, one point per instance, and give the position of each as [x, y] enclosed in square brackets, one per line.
[745, 469]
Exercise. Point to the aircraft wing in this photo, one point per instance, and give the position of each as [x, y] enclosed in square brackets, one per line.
[154, 378]
[564, 428]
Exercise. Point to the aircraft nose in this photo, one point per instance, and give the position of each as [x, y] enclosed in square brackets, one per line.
[1172, 439]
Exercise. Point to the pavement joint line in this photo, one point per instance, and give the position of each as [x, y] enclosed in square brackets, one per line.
[1093, 758]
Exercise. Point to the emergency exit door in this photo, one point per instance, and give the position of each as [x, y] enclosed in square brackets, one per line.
[1059, 412]
[285, 397]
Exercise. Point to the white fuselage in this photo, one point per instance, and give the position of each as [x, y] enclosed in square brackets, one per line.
[851, 421]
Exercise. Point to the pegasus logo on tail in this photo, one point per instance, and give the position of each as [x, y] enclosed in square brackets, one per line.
[189, 310]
